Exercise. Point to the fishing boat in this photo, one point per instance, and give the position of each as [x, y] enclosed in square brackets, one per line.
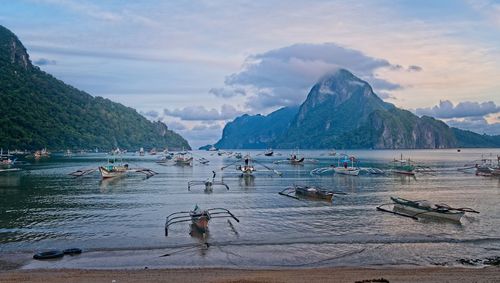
[403, 166]
[5, 159]
[308, 191]
[238, 155]
[41, 154]
[183, 159]
[112, 169]
[247, 169]
[208, 183]
[203, 160]
[152, 151]
[423, 208]
[199, 218]
[141, 151]
[295, 159]
[269, 152]
[68, 153]
[343, 165]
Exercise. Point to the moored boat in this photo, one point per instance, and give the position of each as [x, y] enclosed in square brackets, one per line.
[112, 169]
[423, 208]
[343, 167]
[199, 218]
[183, 159]
[403, 166]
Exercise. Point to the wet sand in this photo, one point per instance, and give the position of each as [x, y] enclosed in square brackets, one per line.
[427, 274]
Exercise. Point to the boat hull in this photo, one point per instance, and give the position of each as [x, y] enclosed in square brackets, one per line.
[410, 208]
[346, 171]
[106, 173]
[313, 193]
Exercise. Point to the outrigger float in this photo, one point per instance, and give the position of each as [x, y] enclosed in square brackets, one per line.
[310, 192]
[199, 218]
[423, 208]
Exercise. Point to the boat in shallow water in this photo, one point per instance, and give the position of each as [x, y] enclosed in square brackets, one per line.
[422, 208]
[343, 167]
[198, 217]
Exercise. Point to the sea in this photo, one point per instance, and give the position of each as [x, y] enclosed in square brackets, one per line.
[120, 222]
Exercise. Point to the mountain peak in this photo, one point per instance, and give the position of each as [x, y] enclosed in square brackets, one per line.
[12, 51]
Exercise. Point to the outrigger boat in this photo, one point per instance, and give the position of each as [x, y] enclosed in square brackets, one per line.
[208, 183]
[112, 169]
[404, 167]
[423, 208]
[269, 152]
[141, 151]
[199, 218]
[247, 169]
[309, 191]
[343, 165]
[183, 159]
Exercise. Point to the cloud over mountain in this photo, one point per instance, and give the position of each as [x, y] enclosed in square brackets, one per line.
[281, 77]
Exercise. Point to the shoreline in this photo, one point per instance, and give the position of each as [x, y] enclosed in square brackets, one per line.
[329, 274]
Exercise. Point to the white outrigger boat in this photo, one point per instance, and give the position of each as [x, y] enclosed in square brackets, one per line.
[112, 170]
[183, 159]
[423, 208]
[343, 166]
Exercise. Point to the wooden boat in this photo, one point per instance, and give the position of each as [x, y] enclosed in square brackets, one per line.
[183, 159]
[199, 218]
[402, 166]
[423, 208]
[269, 152]
[113, 169]
[310, 192]
[343, 165]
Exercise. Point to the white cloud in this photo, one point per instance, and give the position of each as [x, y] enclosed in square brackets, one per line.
[477, 125]
[447, 110]
[282, 77]
[200, 113]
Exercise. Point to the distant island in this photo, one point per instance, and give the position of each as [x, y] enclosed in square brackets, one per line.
[342, 111]
[38, 111]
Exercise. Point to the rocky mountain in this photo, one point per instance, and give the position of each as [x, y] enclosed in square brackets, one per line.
[256, 131]
[38, 110]
[342, 111]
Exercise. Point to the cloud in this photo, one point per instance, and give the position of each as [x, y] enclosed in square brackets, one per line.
[414, 68]
[200, 113]
[176, 126]
[226, 92]
[152, 114]
[447, 110]
[476, 124]
[44, 61]
[283, 76]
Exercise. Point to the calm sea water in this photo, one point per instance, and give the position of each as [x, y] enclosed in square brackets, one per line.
[123, 219]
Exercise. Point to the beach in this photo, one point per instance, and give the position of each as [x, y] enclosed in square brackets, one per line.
[337, 274]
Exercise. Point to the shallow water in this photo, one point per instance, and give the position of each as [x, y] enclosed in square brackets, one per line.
[42, 207]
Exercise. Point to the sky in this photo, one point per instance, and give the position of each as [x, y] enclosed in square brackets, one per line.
[198, 64]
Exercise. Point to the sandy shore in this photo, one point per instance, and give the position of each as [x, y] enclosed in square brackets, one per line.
[437, 274]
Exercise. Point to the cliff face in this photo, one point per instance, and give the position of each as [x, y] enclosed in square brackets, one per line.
[401, 129]
[256, 131]
[342, 111]
[37, 110]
